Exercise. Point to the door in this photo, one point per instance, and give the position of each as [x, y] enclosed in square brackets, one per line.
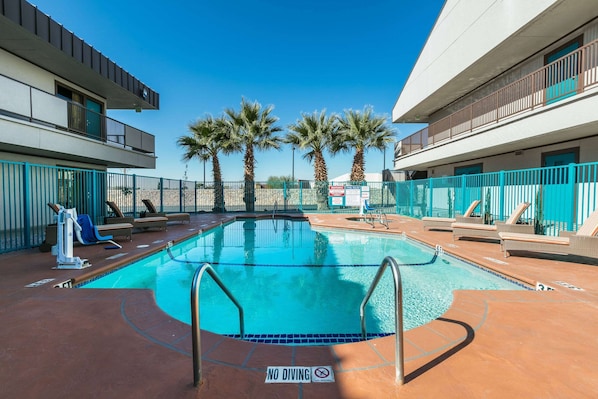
[562, 76]
[94, 119]
[555, 200]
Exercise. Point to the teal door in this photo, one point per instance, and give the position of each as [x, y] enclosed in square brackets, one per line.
[469, 188]
[94, 119]
[556, 199]
[562, 76]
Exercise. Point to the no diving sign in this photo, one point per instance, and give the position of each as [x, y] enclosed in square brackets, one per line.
[296, 374]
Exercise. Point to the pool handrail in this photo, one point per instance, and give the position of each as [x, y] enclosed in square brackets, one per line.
[399, 356]
[195, 326]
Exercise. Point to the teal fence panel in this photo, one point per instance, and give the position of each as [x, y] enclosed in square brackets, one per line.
[560, 197]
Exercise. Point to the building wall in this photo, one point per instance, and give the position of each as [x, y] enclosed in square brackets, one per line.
[7, 156]
[25, 72]
[523, 159]
[589, 32]
[463, 34]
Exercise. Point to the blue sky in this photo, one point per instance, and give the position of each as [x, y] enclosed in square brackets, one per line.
[204, 56]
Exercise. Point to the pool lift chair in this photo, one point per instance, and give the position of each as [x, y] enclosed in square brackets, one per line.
[66, 225]
[372, 215]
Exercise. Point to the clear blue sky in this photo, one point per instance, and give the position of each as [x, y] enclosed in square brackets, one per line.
[299, 56]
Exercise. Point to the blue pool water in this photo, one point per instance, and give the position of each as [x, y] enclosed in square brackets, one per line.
[291, 279]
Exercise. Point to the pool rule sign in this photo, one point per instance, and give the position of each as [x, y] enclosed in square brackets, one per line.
[337, 195]
[299, 374]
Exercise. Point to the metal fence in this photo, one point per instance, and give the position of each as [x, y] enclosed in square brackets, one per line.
[561, 197]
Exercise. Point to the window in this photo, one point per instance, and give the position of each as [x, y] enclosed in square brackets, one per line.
[554, 161]
[468, 170]
[85, 114]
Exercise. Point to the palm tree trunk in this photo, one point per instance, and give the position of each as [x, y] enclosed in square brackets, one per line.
[357, 170]
[321, 176]
[218, 186]
[249, 196]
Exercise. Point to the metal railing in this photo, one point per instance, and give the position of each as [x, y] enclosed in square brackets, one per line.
[195, 325]
[21, 101]
[565, 77]
[398, 291]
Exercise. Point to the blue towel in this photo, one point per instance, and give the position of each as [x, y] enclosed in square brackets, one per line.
[89, 232]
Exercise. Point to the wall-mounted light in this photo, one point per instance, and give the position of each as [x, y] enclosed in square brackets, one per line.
[144, 93]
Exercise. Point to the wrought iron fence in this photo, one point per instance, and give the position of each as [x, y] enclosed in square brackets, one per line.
[561, 197]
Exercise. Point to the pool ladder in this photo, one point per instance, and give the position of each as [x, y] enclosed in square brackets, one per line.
[388, 261]
[376, 216]
[196, 330]
[399, 355]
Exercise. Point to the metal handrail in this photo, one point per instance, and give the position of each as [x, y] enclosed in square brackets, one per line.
[275, 208]
[399, 356]
[376, 215]
[195, 316]
[525, 94]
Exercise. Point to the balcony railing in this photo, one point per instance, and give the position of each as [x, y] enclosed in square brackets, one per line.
[25, 102]
[565, 77]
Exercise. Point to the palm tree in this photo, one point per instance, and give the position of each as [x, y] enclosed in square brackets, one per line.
[209, 137]
[255, 127]
[361, 130]
[314, 133]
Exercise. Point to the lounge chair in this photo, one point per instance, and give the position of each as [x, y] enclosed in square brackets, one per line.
[140, 223]
[490, 231]
[438, 223]
[113, 229]
[88, 234]
[172, 217]
[584, 242]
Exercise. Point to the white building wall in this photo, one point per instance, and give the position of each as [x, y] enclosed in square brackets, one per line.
[464, 32]
[589, 32]
[524, 159]
[25, 72]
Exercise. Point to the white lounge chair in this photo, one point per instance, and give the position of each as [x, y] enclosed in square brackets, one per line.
[438, 223]
[490, 231]
[584, 242]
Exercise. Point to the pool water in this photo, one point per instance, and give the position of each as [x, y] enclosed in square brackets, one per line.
[291, 279]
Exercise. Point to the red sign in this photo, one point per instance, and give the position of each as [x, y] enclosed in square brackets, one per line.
[336, 191]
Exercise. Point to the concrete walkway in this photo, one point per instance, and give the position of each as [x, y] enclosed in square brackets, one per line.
[70, 343]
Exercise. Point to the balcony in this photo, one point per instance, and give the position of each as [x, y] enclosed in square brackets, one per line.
[24, 102]
[568, 76]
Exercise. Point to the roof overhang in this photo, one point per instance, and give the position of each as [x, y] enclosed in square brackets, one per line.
[539, 33]
[33, 36]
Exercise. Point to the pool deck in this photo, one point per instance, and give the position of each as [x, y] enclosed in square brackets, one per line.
[69, 343]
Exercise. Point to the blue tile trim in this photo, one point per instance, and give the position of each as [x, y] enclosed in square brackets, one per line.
[306, 339]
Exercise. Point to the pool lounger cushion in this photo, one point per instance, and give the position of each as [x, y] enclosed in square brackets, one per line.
[117, 229]
[172, 217]
[141, 223]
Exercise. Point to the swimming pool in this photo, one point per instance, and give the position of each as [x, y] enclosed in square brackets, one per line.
[293, 280]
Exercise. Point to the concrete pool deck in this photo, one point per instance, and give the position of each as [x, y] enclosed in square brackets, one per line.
[63, 343]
